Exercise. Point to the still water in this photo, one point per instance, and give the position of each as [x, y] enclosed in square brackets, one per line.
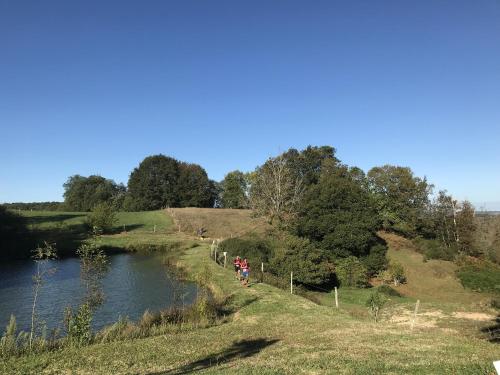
[133, 284]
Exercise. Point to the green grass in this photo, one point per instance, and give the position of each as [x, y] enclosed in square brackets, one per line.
[132, 229]
[269, 331]
[273, 332]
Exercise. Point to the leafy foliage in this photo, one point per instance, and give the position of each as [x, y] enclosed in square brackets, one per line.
[375, 303]
[83, 193]
[402, 199]
[338, 215]
[161, 181]
[234, 190]
[480, 276]
[308, 264]
[102, 218]
[351, 272]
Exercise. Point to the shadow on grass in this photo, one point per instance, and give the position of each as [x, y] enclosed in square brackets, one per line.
[230, 308]
[493, 331]
[40, 219]
[239, 350]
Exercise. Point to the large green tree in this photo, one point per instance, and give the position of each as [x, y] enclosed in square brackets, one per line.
[339, 215]
[402, 198]
[234, 190]
[161, 181]
[83, 193]
[194, 187]
[153, 184]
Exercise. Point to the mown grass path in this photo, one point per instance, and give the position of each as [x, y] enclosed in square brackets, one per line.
[273, 332]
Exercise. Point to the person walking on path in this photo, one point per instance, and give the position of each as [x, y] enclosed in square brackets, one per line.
[245, 271]
[237, 267]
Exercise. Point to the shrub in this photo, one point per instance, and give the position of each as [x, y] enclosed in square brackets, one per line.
[351, 272]
[435, 249]
[298, 255]
[376, 260]
[256, 250]
[78, 325]
[102, 218]
[375, 303]
[480, 276]
[397, 273]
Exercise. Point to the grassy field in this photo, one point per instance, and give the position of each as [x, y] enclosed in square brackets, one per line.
[132, 229]
[269, 331]
[218, 222]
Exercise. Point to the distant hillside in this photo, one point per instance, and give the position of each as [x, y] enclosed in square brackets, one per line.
[433, 280]
[217, 222]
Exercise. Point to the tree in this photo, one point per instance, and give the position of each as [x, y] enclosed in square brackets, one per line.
[41, 256]
[402, 199]
[351, 272]
[454, 224]
[276, 191]
[161, 181]
[154, 183]
[194, 187]
[102, 218]
[466, 229]
[234, 190]
[375, 303]
[83, 193]
[338, 215]
[308, 264]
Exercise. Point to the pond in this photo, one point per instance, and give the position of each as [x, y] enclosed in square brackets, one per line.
[134, 283]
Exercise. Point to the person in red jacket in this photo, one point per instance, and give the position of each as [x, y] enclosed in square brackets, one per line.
[245, 271]
[237, 267]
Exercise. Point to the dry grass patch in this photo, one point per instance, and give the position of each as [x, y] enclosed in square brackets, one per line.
[218, 222]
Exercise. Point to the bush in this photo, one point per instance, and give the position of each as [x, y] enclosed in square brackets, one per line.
[102, 218]
[256, 250]
[434, 249]
[376, 260]
[375, 303]
[480, 276]
[351, 272]
[78, 325]
[298, 255]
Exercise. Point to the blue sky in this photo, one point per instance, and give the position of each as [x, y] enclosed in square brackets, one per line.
[93, 87]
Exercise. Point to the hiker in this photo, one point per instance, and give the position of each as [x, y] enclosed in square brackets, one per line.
[237, 266]
[245, 270]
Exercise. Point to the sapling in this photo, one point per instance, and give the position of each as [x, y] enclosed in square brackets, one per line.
[41, 256]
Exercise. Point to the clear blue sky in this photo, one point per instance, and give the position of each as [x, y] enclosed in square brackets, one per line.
[92, 87]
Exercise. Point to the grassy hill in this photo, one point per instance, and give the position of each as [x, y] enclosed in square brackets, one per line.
[218, 222]
[270, 331]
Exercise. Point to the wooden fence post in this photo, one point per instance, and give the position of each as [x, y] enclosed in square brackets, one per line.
[154, 229]
[225, 258]
[415, 314]
[262, 272]
[336, 298]
[291, 282]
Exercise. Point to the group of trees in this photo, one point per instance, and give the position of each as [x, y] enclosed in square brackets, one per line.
[159, 181]
[333, 212]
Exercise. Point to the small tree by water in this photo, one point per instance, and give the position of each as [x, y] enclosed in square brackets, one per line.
[41, 256]
[94, 265]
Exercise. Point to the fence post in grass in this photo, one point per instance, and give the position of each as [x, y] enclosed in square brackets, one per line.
[154, 229]
[124, 228]
[291, 282]
[415, 314]
[262, 272]
[215, 255]
[336, 298]
[225, 258]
